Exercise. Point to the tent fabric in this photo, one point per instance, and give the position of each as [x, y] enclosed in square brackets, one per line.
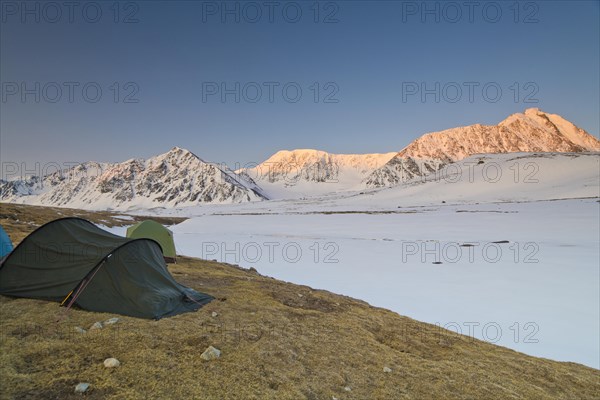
[72, 259]
[149, 229]
[53, 259]
[5, 243]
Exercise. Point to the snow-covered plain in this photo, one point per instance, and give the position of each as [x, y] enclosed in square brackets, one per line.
[538, 294]
[426, 249]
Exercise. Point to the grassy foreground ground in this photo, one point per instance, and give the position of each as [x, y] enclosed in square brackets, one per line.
[278, 341]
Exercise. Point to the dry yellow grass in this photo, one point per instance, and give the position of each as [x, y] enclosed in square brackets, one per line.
[278, 341]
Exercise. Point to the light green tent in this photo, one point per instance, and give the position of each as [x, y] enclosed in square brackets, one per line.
[153, 230]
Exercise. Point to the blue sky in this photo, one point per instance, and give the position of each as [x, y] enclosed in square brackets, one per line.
[354, 62]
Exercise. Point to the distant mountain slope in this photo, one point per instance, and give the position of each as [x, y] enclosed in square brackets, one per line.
[531, 131]
[315, 165]
[176, 178]
[495, 178]
[306, 171]
[401, 169]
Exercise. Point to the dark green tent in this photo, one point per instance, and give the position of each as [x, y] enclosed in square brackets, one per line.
[73, 261]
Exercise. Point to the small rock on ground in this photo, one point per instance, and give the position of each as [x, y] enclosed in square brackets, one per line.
[387, 369]
[210, 353]
[79, 329]
[111, 363]
[111, 321]
[214, 314]
[97, 325]
[348, 389]
[82, 387]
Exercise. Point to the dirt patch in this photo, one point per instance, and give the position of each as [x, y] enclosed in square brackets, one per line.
[63, 390]
[306, 301]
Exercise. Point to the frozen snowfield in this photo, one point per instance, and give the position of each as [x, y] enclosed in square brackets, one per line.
[538, 294]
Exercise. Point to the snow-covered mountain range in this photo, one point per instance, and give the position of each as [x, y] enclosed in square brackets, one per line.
[179, 178]
[308, 171]
[176, 178]
[531, 131]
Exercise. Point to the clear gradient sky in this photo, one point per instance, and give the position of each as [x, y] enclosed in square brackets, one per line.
[367, 52]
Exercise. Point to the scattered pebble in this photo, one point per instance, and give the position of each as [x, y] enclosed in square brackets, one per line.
[82, 387]
[97, 325]
[111, 363]
[387, 369]
[300, 295]
[211, 353]
[215, 314]
[79, 329]
[111, 321]
[348, 389]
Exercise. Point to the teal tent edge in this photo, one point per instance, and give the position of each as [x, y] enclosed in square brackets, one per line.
[143, 274]
[6, 245]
